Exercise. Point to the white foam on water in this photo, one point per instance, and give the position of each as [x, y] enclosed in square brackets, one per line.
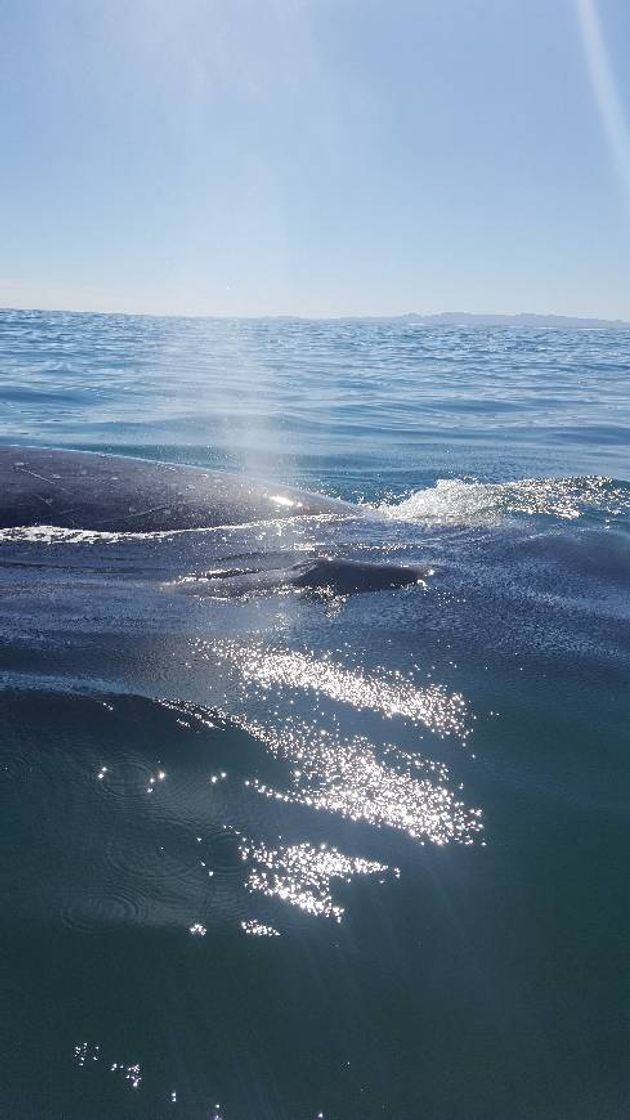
[56, 534]
[468, 502]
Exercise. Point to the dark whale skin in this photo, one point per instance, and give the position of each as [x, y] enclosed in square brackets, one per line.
[87, 490]
[319, 574]
[347, 576]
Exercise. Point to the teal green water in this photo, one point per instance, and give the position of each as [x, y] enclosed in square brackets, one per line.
[271, 856]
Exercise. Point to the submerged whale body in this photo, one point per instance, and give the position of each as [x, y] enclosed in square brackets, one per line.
[87, 491]
[320, 574]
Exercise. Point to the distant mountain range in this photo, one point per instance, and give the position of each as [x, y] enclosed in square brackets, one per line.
[467, 319]
[441, 319]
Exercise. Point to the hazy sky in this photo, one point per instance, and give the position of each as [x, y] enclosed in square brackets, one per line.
[316, 157]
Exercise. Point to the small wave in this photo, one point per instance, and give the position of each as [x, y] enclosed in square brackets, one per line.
[468, 502]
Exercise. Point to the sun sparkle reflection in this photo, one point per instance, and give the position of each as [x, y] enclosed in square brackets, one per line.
[346, 777]
[301, 874]
[392, 694]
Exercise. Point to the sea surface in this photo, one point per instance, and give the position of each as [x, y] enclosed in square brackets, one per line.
[281, 855]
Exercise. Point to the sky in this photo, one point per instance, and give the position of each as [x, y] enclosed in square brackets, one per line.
[316, 157]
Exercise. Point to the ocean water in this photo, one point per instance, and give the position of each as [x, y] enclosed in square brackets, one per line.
[273, 854]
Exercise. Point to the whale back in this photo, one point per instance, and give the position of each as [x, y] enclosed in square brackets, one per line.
[84, 490]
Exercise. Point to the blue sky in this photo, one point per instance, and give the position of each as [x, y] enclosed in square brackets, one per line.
[316, 157]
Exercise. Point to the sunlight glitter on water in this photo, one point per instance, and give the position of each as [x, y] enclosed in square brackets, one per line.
[254, 928]
[346, 777]
[390, 693]
[302, 874]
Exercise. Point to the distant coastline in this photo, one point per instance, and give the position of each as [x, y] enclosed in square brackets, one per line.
[471, 319]
[438, 319]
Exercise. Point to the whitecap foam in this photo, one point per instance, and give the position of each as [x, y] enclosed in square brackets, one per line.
[468, 502]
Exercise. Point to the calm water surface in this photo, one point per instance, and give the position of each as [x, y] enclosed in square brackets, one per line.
[281, 856]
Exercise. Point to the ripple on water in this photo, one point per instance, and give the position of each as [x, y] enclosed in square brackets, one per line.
[152, 834]
[115, 841]
[119, 905]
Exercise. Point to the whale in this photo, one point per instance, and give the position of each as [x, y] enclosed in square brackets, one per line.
[88, 490]
[321, 575]
[103, 493]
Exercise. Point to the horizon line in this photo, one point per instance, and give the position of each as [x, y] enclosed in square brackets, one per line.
[361, 317]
